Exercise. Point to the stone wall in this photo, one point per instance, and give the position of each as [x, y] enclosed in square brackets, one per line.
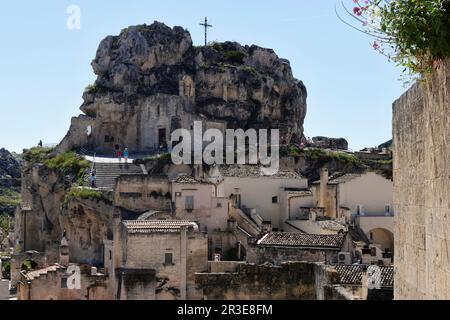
[189, 255]
[290, 281]
[421, 127]
[49, 286]
[142, 192]
[261, 254]
[40, 226]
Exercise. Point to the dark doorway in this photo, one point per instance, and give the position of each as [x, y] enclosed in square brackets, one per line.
[162, 137]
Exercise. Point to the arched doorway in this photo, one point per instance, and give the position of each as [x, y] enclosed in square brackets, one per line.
[383, 237]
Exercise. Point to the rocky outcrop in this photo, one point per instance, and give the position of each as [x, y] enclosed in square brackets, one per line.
[330, 143]
[9, 169]
[151, 77]
[9, 182]
[48, 209]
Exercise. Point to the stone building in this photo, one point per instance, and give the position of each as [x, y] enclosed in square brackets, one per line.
[164, 254]
[57, 282]
[228, 228]
[421, 126]
[287, 281]
[276, 247]
[248, 184]
[363, 199]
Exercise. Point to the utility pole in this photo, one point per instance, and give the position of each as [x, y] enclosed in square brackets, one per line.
[206, 25]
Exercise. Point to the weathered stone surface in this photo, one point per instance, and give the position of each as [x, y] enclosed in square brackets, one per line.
[152, 77]
[9, 169]
[421, 125]
[9, 181]
[290, 281]
[330, 143]
[47, 212]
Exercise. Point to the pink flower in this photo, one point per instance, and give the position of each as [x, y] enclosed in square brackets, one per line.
[357, 11]
[375, 45]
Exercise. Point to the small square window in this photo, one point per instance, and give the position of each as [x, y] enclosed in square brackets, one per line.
[275, 199]
[64, 283]
[219, 205]
[168, 258]
[189, 205]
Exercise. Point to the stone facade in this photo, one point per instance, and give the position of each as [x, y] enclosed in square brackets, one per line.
[142, 192]
[421, 126]
[178, 251]
[51, 283]
[290, 281]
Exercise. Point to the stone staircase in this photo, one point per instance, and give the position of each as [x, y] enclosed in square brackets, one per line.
[107, 173]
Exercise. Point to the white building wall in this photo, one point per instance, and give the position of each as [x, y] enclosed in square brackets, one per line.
[257, 193]
[370, 190]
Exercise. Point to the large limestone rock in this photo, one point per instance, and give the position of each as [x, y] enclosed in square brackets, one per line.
[152, 78]
[9, 181]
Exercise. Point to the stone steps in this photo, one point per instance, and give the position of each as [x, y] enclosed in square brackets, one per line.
[107, 173]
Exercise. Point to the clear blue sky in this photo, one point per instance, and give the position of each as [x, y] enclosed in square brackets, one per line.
[45, 66]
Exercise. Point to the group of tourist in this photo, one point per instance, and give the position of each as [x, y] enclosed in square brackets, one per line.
[118, 153]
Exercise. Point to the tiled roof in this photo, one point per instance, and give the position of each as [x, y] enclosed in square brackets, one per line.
[339, 178]
[352, 274]
[153, 226]
[149, 214]
[291, 239]
[187, 179]
[31, 275]
[246, 171]
[303, 193]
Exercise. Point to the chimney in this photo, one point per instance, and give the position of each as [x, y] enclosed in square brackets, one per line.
[323, 187]
[64, 251]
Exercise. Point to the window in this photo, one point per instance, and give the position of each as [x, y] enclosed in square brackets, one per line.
[189, 203]
[387, 209]
[373, 251]
[168, 258]
[274, 199]
[359, 209]
[64, 283]
[219, 205]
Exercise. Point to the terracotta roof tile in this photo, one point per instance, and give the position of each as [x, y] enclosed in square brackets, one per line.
[246, 171]
[31, 275]
[292, 239]
[153, 226]
[187, 179]
[352, 274]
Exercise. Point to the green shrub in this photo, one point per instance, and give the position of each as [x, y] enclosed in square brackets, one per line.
[217, 46]
[250, 70]
[388, 161]
[83, 193]
[92, 88]
[344, 157]
[234, 57]
[6, 270]
[37, 154]
[68, 162]
[9, 197]
[295, 151]
[413, 33]
[6, 222]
